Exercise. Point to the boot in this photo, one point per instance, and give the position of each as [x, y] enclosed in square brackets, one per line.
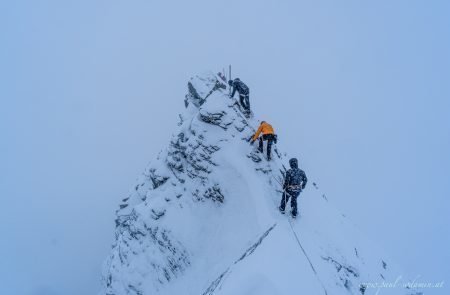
[294, 213]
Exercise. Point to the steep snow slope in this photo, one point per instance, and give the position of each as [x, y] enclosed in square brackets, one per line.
[203, 219]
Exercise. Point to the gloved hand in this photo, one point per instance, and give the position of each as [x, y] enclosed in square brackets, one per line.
[252, 142]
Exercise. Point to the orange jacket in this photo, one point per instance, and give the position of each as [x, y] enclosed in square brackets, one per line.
[265, 128]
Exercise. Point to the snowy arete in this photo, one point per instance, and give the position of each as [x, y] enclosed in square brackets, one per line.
[202, 219]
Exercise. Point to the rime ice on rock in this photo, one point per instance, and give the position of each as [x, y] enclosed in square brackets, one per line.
[202, 219]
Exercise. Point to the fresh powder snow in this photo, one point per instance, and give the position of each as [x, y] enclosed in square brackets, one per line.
[203, 218]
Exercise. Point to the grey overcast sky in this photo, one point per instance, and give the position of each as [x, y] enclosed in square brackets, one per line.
[90, 92]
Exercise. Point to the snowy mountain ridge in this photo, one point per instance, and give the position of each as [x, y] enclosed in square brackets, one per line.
[203, 219]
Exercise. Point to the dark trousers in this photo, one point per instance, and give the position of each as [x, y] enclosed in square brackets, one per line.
[269, 138]
[285, 198]
[245, 101]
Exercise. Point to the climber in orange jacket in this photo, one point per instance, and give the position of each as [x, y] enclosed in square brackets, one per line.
[267, 134]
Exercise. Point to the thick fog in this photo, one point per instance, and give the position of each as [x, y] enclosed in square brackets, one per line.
[90, 92]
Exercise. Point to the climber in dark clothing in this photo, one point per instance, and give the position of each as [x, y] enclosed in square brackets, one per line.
[243, 91]
[294, 183]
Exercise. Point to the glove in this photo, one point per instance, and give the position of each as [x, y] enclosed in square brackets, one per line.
[252, 142]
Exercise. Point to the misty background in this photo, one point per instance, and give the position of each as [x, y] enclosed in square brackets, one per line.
[91, 90]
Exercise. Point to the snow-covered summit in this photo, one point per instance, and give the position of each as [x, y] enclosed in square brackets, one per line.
[203, 219]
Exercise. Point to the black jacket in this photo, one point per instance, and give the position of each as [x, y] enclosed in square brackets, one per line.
[295, 179]
[240, 87]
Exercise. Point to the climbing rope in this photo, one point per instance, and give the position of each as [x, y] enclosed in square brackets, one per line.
[297, 238]
[300, 244]
[307, 257]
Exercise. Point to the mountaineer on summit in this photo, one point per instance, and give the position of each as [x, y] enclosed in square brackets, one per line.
[294, 183]
[243, 91]
[267, 134]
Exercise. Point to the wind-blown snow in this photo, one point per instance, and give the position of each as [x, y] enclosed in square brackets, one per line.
[203, 219]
